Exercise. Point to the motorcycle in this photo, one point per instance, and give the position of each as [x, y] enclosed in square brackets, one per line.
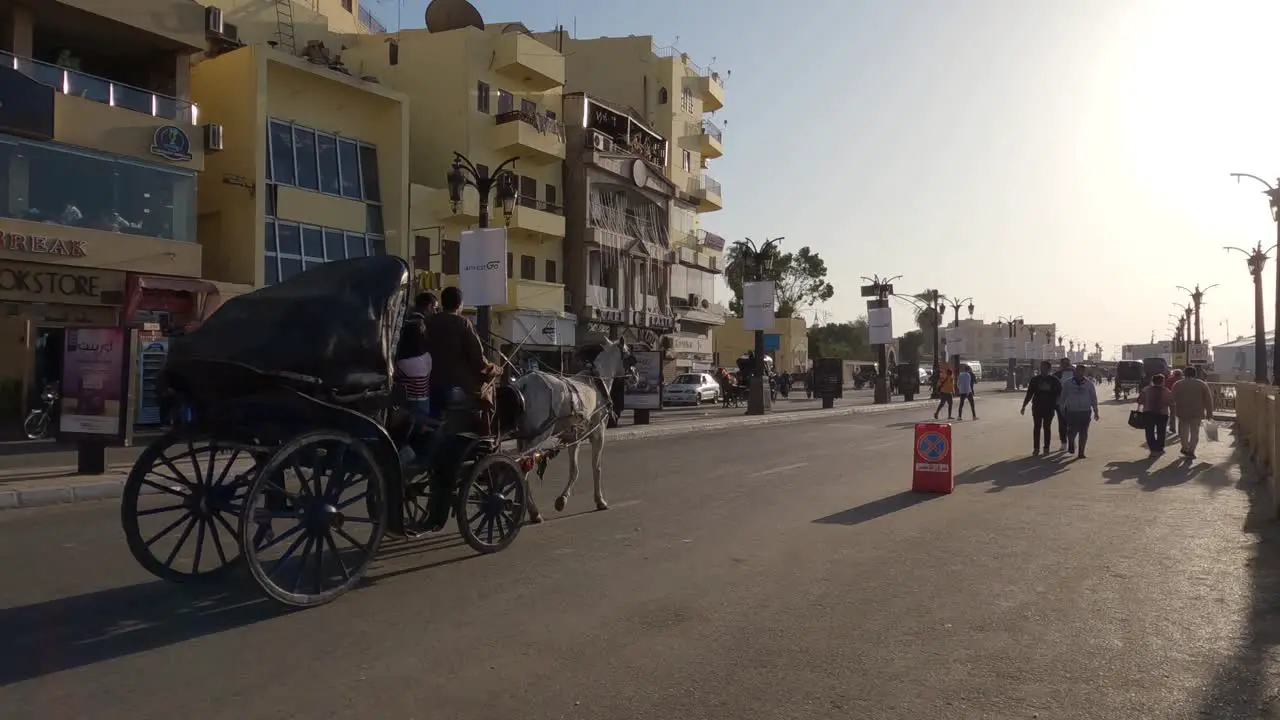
[39, 419]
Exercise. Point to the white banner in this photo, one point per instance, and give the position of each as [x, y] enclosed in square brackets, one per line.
[1199, 353]
[880, 326]
[483, 260]
[955, 341]
[757, 301]
[1010, 348]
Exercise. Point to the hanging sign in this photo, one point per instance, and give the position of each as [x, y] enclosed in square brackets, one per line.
[483, 260]
[758, 305]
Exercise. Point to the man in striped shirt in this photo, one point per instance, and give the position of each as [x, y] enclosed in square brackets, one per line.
[413, 362]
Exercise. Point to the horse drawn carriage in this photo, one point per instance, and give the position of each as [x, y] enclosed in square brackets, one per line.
[290, 458]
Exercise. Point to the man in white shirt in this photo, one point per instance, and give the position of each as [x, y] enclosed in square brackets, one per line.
[1078, 400]
[964, 388]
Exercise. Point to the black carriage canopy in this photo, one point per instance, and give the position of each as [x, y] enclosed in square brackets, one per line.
[335, 322]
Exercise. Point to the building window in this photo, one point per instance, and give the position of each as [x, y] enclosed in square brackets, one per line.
[528, 192]
[93, 190]
[663, 96]
[346, 5]
[528, 267]
[294, 247]
[551, 195]
[686, 161]
[686, 100]
[551, 271]
[510, 271]
[482, 97]
[306, 158]
[528, 107]
[450, 257]
[551, 115]
[506, 102]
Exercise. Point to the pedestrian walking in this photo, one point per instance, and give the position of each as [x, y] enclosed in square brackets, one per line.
[1193, 402]
[964, 388]
[946, 389]
[1154, 402]
[1171, 382]
[1079, 399]
[1065, 373]
[1042, 394]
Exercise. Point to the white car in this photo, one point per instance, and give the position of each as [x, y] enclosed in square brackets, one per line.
[691, 389]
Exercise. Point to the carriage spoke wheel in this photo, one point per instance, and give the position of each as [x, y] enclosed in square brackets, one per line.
[491, 503]
[418, 496]
[314, 518]
[179, 504]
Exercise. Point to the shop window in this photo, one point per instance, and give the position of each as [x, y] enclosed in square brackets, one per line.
[294, 247]
[82, 188]
[450, 257]
[551, 271]
[528, 265]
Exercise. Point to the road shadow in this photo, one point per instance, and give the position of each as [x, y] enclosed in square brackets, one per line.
[1016, 472]
[72, 632]
[1179, 472]
[1241, 685]
[877, 508]
[907, 425]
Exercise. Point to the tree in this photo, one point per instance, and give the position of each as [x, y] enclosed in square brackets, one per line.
[800, 279]
[927, 317]
[909, 347]
[847, 341]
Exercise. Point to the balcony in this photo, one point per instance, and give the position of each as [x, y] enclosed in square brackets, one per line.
[706, 139]
[101, 90]
[710, 88]
[538, 217]
[534, 138]
[602, 297]
[707, 191]
[534, 295]
[537, 67]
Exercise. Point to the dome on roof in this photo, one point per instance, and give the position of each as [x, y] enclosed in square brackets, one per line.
[445, 15]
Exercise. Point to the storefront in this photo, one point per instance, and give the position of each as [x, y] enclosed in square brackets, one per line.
[537, 339]
[691, 352]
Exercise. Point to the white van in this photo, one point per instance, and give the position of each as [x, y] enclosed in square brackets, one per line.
[975, 367]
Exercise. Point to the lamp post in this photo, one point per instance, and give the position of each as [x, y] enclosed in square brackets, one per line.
[1197, 299]
[758, 262]
[930, 303]
[463, 173]
[1273, 198]
[956, 305]
[1257, 260]
[1014, 324]
[880, 289]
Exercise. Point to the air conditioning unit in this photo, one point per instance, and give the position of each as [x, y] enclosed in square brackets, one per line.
[213, 20]
[212, 137]
[694, 299]
[601, 143]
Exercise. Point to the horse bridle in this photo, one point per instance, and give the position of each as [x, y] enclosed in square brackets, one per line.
[628, 362]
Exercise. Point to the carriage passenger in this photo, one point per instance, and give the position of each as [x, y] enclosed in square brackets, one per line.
[413, 361]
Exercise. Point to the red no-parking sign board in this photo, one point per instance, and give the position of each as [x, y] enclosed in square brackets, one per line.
[931, 459]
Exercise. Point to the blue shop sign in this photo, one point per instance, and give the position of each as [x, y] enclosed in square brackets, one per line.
[772, 341]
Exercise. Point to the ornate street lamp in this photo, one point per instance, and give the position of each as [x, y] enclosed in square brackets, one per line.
[1273, 200]
[956, 305]
[463, 174]
[1014, 324]
[757, 262]
[1257, 261]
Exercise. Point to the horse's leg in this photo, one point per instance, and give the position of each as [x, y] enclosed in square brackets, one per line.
[535, 515]
[597, 452]
[573, 477]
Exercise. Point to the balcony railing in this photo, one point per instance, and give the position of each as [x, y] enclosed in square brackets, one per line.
[704, 182]
[601, 297]
[370, 22]
[536, 204]
[537, 121]
[107, 92]
[710, 128]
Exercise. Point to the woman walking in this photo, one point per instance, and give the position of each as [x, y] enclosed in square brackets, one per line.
[1154, 402]
[946, 389]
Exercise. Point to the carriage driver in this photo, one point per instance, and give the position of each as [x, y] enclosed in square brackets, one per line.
[457, 355]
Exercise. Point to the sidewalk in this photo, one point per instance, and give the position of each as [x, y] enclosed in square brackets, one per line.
[30, 487]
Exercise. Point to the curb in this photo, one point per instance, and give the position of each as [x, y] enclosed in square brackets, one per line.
[71, 493]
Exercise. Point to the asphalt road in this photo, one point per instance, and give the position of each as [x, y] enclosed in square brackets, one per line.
[24, 455]
[777, 572]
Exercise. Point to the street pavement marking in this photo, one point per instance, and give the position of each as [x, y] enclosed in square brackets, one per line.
[784, 468]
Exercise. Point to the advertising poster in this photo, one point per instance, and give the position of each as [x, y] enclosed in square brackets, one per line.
[646, 394]
[880, 326]
[482, 255]
[758, 305]
[93, 363]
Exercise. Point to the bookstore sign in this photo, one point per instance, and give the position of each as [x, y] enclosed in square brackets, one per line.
[36, 283]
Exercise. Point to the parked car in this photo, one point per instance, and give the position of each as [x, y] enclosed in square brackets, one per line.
[691, 389]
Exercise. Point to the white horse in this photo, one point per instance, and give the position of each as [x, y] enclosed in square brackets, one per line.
[573, 408]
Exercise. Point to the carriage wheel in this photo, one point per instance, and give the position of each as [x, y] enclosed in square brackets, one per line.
[491, 503]
[314, 518]
[183, 494]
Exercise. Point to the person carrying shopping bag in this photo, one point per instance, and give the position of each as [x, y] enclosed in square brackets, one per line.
[1193, 402]
[1154, 402]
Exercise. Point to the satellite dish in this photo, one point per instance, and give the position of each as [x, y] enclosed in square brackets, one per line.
[445, 15]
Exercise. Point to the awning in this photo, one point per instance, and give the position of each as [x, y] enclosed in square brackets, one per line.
[207, 298]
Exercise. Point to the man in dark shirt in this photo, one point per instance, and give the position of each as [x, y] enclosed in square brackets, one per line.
[1066, 371]
[457, 356]
[1042, 394]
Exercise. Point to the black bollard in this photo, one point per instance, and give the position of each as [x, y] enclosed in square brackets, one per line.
[91, 457]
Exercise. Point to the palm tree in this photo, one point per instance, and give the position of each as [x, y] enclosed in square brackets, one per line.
[927, 316]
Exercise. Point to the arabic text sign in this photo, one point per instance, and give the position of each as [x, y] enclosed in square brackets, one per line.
[483, 260]
[93, 362]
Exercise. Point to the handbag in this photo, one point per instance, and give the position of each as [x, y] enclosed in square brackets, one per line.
[1211, 431]
[1136, 420]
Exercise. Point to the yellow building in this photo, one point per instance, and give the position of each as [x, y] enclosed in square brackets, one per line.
[787, 343]
[101, 147]
[672, 96]
[498, 94]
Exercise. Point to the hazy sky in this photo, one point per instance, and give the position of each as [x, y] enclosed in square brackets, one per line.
[1062, 160]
